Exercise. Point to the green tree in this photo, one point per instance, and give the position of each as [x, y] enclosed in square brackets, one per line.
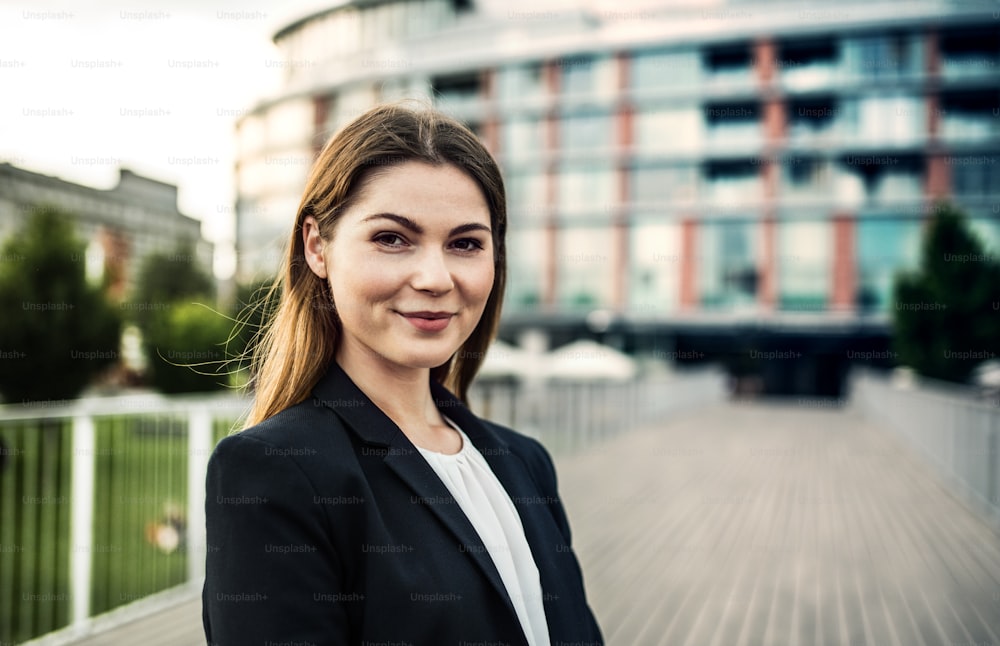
[183, 338]
[166, 278]
[944, 321]
[186, 349]
[57, 331]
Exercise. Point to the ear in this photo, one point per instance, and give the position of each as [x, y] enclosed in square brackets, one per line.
[313, 246]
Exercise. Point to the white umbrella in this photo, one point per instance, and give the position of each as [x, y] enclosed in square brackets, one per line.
[588, 360]
[504, 360]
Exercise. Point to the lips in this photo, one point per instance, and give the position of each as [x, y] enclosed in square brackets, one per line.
[428, 321]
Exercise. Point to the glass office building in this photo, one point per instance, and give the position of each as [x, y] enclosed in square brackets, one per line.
[690, 172]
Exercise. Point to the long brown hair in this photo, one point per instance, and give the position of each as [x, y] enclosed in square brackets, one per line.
[300, 342]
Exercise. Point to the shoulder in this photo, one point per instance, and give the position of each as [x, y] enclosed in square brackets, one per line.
[532, 452]
[307, 434]
[290, 425]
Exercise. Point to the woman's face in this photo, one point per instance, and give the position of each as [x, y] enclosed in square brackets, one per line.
[409, 264]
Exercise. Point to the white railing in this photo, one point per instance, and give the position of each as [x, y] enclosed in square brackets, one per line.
[117, 462]
[169, 440]
[954, 429]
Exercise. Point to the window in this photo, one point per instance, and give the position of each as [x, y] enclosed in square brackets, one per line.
[976, 176]
[517, 83]
[586, 75]
[665, 69]
[673, 129]
[970, 115]
[899, 119]
[806, 178]
[664, 184]
[525, 268]
[654, 267]
[733, 183]
[805, 262]
[883, 56]
[584, 268]
[729, 64]
[586, 131]
[987, 229]
[526, 199]
[456, 93]
[884, 247]
[970, 51]
[586, 189]
[727, 272]
[522, 137]
[808, 64]
[812, 121]
[729, 124]
[868, 179]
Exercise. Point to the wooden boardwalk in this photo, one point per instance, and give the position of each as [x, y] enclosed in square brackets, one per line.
[755, 525]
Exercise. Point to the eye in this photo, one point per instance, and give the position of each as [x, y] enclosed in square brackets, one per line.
[389, 239]
[467, 244]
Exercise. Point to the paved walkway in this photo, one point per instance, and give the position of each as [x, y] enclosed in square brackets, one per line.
[755, 525]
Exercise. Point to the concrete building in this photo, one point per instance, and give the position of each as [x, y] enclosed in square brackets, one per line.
[728, 180]
[121, 225]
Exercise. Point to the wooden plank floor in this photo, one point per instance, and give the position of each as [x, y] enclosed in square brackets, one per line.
[755, 525]
[766, 524]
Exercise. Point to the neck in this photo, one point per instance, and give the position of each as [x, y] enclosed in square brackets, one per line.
[403, 394]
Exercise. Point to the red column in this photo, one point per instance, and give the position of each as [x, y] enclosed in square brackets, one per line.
[937, 185]
[765, 54]
[551, 271]
[550, 76]
[843, 272]
[932, 51]
[774, 128]
[774, 121]
[689, 264]
[620, 215]
[491, 129]
[625, 108]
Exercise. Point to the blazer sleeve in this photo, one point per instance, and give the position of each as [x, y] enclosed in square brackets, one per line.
[272, 574]
[543, 470]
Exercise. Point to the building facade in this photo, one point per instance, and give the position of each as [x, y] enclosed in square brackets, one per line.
[121, 225]
[689, 181]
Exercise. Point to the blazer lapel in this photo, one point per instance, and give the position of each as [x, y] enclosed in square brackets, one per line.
[540, 529]
[364, 418]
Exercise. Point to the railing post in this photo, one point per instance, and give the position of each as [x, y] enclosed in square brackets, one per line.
[82, 519]
[199, 450]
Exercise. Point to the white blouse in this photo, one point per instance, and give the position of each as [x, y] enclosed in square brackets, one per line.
[485, 502]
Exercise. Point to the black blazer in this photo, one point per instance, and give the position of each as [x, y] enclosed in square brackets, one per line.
[326, 526]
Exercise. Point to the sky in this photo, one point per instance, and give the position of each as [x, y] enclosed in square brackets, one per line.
[157, 87]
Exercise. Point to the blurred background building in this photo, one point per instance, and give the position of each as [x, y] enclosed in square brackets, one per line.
[698, 183]
[121, 225]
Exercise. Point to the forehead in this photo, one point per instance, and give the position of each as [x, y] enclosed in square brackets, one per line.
[422, 192]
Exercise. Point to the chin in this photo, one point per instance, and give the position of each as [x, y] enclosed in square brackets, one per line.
[425, 360]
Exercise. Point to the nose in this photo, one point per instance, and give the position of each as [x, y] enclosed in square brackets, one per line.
[431, 273]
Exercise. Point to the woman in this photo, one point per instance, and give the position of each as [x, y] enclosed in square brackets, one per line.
[365, 504]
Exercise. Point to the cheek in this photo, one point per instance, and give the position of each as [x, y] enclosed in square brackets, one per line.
[357, 285]
[482, 284]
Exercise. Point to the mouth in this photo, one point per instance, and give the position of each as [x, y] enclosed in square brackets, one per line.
[428, 321]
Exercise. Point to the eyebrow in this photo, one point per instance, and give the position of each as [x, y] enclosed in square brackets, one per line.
[407, 223]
